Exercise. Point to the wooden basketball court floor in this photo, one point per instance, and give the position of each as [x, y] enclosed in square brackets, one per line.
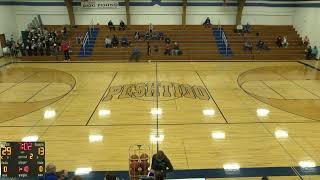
[208, 115]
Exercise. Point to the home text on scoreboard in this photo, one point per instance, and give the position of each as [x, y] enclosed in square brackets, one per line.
[22, 159]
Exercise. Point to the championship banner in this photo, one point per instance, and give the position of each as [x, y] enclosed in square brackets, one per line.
[99, 4]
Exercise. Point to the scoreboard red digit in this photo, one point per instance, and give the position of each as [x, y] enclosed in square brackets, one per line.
[22, 159]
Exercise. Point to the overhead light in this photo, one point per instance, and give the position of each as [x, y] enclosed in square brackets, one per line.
[263, 112]
[231, 166]
[95, 138]
[156, 111]
[281, 134]
[155, 138]
[218, 135]
[104, 112]
[48, 114]
[30, 139]
[208, 112]
[83, 171]
[307, 164]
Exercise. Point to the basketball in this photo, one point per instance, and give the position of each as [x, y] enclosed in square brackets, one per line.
[144, 156]
[134, 173]
[134, 164]
[144, 165]
[134, 157]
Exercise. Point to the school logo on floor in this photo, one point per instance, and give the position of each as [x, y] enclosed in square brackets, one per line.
[162, 91]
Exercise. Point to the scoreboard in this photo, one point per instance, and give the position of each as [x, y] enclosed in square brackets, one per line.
[22, 159]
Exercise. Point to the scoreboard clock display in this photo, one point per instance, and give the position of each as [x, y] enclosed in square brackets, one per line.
[22, 159]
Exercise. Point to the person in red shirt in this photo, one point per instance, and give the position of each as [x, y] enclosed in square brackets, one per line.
[65, 48]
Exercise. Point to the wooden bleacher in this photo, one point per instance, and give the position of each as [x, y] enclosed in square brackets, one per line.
[268, 34]
[196, 42]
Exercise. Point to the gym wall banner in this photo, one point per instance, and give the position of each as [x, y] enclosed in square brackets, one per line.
[99, 4]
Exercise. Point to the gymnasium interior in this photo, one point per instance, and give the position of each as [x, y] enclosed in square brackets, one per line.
[159, 89]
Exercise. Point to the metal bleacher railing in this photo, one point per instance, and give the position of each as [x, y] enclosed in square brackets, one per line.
[88, 36]
[223, 36]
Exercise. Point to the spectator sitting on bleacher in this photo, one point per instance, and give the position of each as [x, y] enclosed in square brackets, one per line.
[135, 54]
[40, 42]
[137, 35]
[115, 41]
[306, 41]
[111, 26]
[79, 38]
[176, 49]
[167, 50]
[54, 50]
[207, 22]
[34, 48]
[239, 29]
[284, 42]
[279, 42]
[124, 41]
[308, 52]
[160, 36]
[108, 41]
[262, 45]
[167, 40]
[147, 36]
[247, 28]
[248, 46]
[122, 26]
[154, 36]
[314, 52]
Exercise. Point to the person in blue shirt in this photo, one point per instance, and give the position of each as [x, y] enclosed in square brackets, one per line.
[50, 173]
[314, 52]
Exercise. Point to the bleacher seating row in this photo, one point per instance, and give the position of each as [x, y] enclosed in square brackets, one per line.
[196, 42]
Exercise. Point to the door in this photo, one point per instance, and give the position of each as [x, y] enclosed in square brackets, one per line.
[2, 40]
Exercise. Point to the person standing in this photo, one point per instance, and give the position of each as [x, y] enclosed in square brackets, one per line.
[150, 28]
[314, 52]
[65, 48]
[148, 48]
[50, 172]
[161, 163]
[135, 54]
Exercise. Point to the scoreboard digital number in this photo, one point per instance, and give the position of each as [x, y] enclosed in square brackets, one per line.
[22, 159]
